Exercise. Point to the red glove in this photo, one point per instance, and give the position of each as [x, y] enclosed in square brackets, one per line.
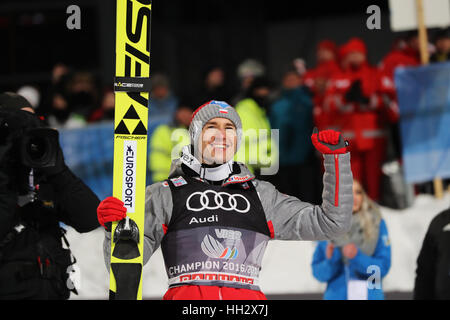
[109, 210]
[329, 141]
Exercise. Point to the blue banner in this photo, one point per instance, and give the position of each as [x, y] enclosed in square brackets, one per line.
[89, 153]
[424, 101]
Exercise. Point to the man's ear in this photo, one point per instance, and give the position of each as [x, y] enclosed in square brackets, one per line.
[198, 152]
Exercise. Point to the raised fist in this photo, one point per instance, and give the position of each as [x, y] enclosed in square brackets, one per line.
[329, 141]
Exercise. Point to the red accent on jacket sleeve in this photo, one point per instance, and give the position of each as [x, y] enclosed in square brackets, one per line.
[336, 187]
[272, 231]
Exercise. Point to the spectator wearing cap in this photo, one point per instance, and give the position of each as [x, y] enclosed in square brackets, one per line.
[359, 112]
[258, 151]
[402, 54]
[32, 94]
[316, 80]
[247, 71]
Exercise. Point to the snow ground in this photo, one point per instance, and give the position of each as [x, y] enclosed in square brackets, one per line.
[286, 264]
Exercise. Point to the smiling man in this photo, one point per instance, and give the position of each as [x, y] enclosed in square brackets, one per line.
[218, 141]
[213, 219]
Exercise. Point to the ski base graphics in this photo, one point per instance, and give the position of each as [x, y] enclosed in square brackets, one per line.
[130, 145]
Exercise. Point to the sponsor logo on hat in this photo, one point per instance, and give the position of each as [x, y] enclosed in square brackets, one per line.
[222, 104]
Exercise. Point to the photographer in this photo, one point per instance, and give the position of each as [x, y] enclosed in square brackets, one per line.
[37, 191]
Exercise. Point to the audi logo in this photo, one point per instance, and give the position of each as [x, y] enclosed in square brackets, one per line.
[221, 200]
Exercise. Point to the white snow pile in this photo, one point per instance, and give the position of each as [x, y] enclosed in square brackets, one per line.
[286, 264]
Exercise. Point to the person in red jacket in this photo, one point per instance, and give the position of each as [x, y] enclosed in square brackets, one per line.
[316, 80]
[404, 53]
[358, 110]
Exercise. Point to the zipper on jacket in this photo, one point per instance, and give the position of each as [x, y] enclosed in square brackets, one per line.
[220, 293]
[336, 187]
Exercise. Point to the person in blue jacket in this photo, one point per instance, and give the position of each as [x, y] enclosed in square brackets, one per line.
[354, 264]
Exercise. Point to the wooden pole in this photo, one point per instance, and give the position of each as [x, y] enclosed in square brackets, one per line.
[438, 188]
[425, 58]
[423, 41]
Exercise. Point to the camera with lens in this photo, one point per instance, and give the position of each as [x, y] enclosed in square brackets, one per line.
[37, 147]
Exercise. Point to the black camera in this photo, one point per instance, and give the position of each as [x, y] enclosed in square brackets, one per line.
[39, 148]
[36, 146]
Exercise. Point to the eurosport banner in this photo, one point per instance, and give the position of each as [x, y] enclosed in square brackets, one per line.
[424, 102]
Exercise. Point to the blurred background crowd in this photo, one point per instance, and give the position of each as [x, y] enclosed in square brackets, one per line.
[287, 70]
[341, 91]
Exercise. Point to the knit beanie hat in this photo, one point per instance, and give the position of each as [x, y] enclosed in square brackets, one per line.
[328, 45]
[353, 45]
[210, 110]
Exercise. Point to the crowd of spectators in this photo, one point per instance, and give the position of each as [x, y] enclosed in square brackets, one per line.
[343, 91]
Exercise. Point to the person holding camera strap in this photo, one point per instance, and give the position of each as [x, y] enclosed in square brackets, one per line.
[37, 192]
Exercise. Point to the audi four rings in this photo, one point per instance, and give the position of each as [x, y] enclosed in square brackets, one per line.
[219, 200]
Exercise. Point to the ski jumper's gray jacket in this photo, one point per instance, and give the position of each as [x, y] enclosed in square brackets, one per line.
[216, 234]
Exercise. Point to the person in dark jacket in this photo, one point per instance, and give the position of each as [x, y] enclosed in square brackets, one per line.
[433, 263]
[291, 114]
[37, 192]
[215, 86]
[442, 43]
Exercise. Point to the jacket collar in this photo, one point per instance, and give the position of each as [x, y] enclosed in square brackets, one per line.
[229, 173]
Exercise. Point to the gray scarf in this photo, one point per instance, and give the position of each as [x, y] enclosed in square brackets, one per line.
[357, 236]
